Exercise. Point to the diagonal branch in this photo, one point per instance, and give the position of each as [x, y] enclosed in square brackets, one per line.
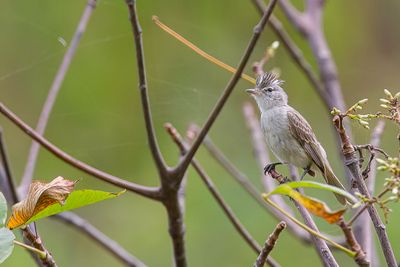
[184, 163]
[96, 235]
[269, 244]
[353, 166]
[151, 136]
[364, 221]
[150, 192]
[51, 97]
[215, 193]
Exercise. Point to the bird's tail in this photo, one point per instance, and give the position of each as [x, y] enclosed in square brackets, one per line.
[331, 179]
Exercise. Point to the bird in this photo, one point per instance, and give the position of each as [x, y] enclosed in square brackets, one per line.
[288, 134]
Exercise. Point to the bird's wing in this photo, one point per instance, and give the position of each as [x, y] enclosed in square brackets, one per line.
[302, 132]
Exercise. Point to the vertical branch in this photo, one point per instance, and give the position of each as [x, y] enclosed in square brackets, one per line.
[53, 92]
[354, 168]
[32, 239]
[363, 224]
[9, 181]
[215, 193]
[151, 137]
[269, 244]
[258, 29]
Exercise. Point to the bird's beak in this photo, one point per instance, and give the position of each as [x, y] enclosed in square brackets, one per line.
[251, 91]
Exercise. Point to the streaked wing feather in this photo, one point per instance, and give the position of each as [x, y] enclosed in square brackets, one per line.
[303, 133]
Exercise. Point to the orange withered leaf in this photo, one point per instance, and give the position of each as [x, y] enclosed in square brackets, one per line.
[40, 196]
[317, 207]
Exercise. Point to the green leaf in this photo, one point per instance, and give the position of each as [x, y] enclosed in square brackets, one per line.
[284, 189]
[6, 243]
[3, 210]
[75, 200]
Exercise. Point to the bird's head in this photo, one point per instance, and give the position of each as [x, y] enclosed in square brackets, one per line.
[268, 92]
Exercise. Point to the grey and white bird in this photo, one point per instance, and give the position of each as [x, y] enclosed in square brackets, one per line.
[288, 134]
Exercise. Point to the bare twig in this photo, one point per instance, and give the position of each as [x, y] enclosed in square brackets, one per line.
[99, 237]
[217, 196]
[150, 192]
[352, 164]
[361, 258]
[51, 97]
[151, 136]
[269, 244]
[258, 29]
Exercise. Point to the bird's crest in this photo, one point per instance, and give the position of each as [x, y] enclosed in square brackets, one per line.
[268, 79]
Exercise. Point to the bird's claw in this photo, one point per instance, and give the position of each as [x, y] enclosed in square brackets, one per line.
[270, 167]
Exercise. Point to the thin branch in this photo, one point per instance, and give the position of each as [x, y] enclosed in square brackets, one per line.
[99, 237]
[258, 29]
[320, 245]
[151, 136]
[7, 170]
[361, 257]
[296, 17]
[269, 244]
[149, 192]
[51, 97]
[217, 196]
[37, 243]
[353, 166]
[375, 142]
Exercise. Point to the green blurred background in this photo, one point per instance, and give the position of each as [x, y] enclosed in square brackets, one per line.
[98, 117]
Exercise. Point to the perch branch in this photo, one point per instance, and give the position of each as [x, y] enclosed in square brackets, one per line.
[150, 192]
[269, 244]
[52, 95]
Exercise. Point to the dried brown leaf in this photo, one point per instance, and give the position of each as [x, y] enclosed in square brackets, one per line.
[40, 196]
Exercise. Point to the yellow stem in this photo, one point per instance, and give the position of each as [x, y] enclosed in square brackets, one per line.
[41, 254]
[199, 51]
[308, 229]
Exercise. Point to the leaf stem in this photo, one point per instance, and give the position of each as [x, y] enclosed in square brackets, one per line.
[41, 254]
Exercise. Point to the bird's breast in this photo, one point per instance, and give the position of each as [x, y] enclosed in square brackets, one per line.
[277, 134]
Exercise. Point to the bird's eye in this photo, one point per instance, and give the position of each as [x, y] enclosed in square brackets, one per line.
[269, 89]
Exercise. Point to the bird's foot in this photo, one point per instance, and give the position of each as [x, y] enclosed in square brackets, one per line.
[270, 168]
[307, 170]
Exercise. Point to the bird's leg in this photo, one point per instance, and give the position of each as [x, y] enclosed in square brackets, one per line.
[306, 170]
[271, 167]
